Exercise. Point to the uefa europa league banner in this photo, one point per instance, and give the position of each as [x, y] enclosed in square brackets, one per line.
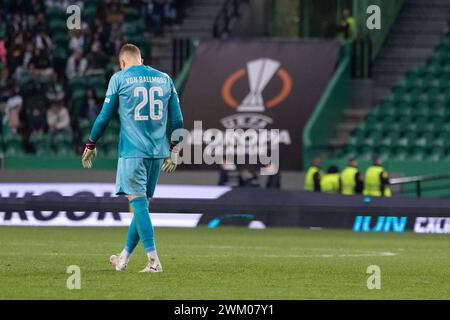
[259, 84]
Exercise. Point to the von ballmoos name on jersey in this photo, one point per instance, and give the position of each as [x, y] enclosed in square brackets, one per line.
[143, 79]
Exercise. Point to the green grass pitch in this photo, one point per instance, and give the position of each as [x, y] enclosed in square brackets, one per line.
[225, 263]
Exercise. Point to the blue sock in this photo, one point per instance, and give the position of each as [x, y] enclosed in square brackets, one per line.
[143, 222]
[132, 236]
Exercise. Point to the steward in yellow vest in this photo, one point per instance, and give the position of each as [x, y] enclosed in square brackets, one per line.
[313, 176]
[351, 181]
[376, 182]
[347, 26]
[331, 182]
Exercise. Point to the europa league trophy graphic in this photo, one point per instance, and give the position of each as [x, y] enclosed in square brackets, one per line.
[259, 74]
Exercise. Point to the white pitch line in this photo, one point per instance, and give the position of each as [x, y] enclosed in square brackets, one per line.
[269, 256]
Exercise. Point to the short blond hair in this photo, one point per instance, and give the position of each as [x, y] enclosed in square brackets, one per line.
[129, 49]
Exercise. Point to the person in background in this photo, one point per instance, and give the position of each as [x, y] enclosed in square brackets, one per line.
[76, 64]
[313, 176]
[97, 59]
[3, 50]
[91, 105]
[41, 62]
[229, 175]
[36, 122]
[12, 111]
[249, 179]
[274, 177]
[77, 39]
[376, 182]
[58, 118]
[331, 182]
[16, 50]
[42, 41]
[55, 89]
[347, 29]
[170, 12]
[351, 180]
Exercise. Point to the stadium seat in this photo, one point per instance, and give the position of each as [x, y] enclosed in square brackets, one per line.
[415, 117]
[77, 101]
[62, 138]
[57, 24]
[64, 151]
[55, 13]
[89, 11]
[390, 139]
[12, 141]
[14, 152]
[400, 154]
[436, 154]
[41, 141]
[61, 39]
[112, 153]
[77, 83]
[132, 14]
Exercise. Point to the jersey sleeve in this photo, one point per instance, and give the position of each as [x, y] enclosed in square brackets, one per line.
[175, 117]
[109, 106]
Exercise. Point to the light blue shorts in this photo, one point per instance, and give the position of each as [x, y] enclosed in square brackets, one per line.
[137, 176]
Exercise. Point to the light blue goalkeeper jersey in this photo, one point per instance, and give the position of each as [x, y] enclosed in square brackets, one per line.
[149, 111]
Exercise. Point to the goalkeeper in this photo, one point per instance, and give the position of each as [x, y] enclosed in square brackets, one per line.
[149, 112]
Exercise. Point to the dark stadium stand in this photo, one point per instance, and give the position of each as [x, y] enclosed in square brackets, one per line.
[413, 122]
[47, 63]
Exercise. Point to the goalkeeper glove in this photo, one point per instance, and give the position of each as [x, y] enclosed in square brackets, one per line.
[170, 163]
[88, 155]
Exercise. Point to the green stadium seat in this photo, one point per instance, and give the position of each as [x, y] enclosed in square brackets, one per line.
[61, 39]
[385, 112]
[414, 83]
[114, 124]
[89, 12]
[77, 84]
[407, 139]
[60, 53]
[112, 152]
[400, 89]
[420, 110]
[365, 153]
[77, 101]
[84, 132]
[442, 139]
[65, 151]
[40, 141]
[384, 152]
[132, 14]
[400, 154]
[424, 140]
[12, 141]
[436, 154]
[350, 151]
[418, 153]
[133, 27]
[13, 152]
[416, 72]
[55, 13]
[62, 138]
[390, 139]
[110, 137]
[403, 110]
[373, 139]
[437, 110]
[57, 24]
[45, 151]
